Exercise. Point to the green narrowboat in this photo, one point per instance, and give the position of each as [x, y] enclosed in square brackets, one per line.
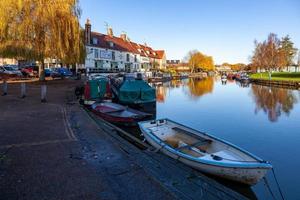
[134, 92]
[96, 89]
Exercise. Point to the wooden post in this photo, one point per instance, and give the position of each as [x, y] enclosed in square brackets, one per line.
[4, 87]
[43, 93]
[23, 90]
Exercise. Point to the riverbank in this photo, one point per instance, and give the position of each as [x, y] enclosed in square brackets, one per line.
[277, 76]
[55, 150]
[279, 79]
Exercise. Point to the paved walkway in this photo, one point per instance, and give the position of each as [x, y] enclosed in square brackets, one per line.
[53, 151]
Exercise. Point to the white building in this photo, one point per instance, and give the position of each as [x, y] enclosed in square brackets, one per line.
[111, 53]
[8, 61]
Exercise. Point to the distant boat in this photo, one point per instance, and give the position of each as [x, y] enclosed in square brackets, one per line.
[223, 78]
[160, 77]
[116, 113]
[204, 152]
[242, 77]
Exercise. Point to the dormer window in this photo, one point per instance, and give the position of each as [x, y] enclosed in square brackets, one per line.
[95, 41]
[111, 44]
[154, 53]
[148, 52]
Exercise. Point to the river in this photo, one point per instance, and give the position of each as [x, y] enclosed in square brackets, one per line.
[263, 120]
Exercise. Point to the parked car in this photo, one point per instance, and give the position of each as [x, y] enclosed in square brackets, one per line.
[10, 71]
[28, 71]
[64, 72]
[52, 73]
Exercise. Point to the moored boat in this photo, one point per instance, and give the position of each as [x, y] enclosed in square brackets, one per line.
[134, 92]
[160, 77]
[223, 78]
[204, 152]
[97, 88]
[116, 113]
[242, 77]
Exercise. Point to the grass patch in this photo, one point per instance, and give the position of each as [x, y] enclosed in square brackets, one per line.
[278, 76]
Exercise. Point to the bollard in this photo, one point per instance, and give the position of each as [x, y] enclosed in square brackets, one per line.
[4, 88]
[23, 90]
[43, 93]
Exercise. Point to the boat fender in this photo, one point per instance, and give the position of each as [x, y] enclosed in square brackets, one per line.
[153, 122]
[161, 121]
[218, 158]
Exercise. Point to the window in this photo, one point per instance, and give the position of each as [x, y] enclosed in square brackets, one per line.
[95, 41]
[111, 44]
[113, 55]
[96, 53]
[135, 58]
[127, 57]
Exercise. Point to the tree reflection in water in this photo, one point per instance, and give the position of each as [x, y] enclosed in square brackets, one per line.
[273, 101]
[199, 87]
[163, 88]
[161, 92]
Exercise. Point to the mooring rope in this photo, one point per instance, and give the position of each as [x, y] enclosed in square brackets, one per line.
[277, 183]
[269, 188]
[278, 186]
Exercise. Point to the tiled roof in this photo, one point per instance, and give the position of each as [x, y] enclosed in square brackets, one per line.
[160, 53]
[119, 44]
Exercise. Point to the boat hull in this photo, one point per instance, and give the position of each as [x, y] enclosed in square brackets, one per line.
[148, 107]
[248, 174]
[122, 120]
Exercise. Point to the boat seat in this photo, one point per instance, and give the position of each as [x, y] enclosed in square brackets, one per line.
[199, 138]
[196, 144]
[118, 110]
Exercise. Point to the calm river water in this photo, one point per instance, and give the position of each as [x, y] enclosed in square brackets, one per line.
[262, 120]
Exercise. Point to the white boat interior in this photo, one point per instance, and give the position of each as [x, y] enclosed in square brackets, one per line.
[196, 144]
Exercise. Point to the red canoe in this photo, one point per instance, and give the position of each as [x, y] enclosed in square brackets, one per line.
[116, 113]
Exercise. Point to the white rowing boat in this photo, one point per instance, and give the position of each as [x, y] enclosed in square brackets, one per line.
[204, 152]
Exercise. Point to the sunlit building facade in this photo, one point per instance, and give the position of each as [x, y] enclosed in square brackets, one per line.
[106, 52]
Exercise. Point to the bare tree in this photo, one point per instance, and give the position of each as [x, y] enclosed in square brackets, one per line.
[269, 54]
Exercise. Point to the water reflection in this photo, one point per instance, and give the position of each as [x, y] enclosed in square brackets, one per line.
[199, 87]
[228, 112]
[273, 101]
[163, 88]
[161, 92]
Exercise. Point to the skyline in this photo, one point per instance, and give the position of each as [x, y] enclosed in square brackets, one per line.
[224, 30]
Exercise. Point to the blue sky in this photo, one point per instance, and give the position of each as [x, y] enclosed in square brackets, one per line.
[224, 29]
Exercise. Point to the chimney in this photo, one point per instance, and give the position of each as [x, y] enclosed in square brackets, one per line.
[87, 33]
[123, 36]
[110, 32]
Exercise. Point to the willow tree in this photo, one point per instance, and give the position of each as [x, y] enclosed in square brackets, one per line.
[40, 29]
[198, 60]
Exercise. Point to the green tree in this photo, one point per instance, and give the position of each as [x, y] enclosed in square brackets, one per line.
[288, 49]
[39, 29]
